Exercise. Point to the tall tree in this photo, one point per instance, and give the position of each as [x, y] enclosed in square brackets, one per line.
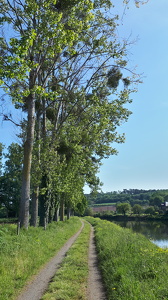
[83, 117]
[41, 31]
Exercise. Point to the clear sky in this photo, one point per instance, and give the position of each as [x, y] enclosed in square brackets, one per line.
[142, 162]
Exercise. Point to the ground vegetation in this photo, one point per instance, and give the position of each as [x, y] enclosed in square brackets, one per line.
[132, 266]
[22, 255]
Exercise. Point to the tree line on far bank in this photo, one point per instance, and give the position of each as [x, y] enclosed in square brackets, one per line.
[132, 200]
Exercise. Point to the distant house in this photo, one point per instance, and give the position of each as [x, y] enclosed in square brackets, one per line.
[164, 206]
[104, 208]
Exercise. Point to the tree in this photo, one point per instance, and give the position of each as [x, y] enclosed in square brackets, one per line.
[123, 208]
[88, 212]
[150, 210]
[42, 30]
[156, 200]
[77, 118]
[137, 209]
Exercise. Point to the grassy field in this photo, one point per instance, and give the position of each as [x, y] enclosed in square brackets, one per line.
[22, 256]
[70, 281]
[132, 267]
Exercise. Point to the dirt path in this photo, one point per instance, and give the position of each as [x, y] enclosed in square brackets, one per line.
[35, 289]
[95, 287]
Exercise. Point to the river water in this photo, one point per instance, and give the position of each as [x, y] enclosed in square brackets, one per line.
[156, 231]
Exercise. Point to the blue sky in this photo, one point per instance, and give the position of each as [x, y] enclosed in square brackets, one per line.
[142, 162]
[9, 131]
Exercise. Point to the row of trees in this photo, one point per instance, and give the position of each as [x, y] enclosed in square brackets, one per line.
[140, 201]
[10, 189]
[63, 65]
[137, 209]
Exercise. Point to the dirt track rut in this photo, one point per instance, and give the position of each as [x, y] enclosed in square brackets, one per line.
[96, 290]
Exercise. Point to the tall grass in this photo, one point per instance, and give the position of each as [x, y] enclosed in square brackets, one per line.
[22, 256]
[70, 282]
[132, 267]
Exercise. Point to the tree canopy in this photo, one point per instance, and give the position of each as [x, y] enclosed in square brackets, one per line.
[123, 208]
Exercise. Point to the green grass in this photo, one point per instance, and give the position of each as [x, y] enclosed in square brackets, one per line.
[23, 255]
[132, 267]
[70, 281]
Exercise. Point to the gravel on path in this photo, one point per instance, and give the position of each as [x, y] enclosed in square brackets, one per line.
[96, 289]
[37, 287]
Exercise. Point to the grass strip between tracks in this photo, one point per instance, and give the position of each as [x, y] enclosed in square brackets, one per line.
[70, 281]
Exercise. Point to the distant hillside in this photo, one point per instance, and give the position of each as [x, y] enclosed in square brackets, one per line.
[133, 196]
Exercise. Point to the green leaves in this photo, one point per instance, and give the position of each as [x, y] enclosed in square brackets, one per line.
[64, 58]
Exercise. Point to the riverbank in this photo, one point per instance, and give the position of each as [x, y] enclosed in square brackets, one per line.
[132, 267]
[132, 217]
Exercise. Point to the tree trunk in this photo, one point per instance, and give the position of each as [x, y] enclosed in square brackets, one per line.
[42, 210]
[43, 201]
[43, 197]
[35, 195]
[56, 214]
[68, 212]
[34, 210]
[28, 148]
[62, 206]
[52, 208]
